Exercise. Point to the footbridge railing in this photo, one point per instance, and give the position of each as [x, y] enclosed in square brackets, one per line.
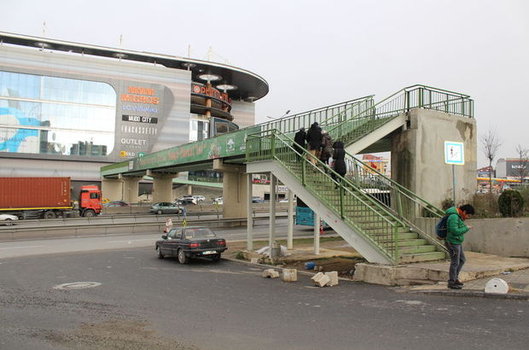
[402, 101]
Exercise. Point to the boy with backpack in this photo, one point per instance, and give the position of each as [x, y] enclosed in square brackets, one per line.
[455, 232]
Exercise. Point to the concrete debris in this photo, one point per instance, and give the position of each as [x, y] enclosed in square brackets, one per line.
[325, 279]
[333, 276]
[320, 279]
[270, 273]
[289, 275]
[283, 251]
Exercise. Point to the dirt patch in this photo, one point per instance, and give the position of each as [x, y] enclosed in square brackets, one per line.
[113, 334]
[344, 265]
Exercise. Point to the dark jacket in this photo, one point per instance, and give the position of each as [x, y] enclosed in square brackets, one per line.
[299, 140]
[314, 137]
[326, 147]
[338, 157]
[455, 227]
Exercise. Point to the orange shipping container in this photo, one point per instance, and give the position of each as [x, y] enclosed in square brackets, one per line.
[34, 192]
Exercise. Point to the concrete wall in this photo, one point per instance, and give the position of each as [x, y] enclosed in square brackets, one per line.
[504, 237]
[507, 237]
[417, 156]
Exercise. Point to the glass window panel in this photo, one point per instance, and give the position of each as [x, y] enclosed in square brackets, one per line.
[61, 116]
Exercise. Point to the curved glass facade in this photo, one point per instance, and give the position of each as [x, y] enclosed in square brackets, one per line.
[60, 116]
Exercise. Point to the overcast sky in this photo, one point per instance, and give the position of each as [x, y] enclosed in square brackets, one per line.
[316, 53]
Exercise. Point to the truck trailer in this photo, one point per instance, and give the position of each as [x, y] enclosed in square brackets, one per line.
[46, 198]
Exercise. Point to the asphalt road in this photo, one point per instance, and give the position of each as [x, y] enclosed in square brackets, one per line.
[136, 301]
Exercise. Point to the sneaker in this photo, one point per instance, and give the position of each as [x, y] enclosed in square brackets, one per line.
[454, 286]
[459, 283]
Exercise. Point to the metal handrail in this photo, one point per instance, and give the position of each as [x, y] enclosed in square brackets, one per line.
[316, 178]
[335, 113]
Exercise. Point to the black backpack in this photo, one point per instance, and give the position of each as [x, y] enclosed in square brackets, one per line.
[441, 228]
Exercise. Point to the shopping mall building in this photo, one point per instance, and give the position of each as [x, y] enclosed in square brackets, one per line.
[66, 109]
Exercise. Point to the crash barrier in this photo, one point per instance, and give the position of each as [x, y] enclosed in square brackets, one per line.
[111, 226]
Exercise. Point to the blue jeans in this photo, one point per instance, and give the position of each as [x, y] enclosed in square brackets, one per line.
[457, 260]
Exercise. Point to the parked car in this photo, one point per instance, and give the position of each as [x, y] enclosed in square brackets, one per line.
[199, 198]
[190, 242]
[8, 219]
[188, 199]
[257, 200]
[218, 200]
[114, 204]
[165, 208]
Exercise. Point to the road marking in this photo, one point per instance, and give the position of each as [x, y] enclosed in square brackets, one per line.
[132, 240]
[24, 247]
[77, 285]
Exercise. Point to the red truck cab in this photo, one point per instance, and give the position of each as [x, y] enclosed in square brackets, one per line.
[90, 200]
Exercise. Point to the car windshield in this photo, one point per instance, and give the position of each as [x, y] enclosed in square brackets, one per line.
[205, 232]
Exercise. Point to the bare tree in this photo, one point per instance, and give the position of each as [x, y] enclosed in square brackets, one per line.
[522, 168]
[491, 144]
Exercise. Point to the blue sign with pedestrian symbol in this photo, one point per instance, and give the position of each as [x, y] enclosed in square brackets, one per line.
[454, 153]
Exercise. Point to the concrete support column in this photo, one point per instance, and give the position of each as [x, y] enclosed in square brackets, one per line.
[131, 186]
[272, 225]
[418, 161]
[290, 235]
[112, 189]
[317, 223]
[249, 218]
[162, 187]
[234, 189]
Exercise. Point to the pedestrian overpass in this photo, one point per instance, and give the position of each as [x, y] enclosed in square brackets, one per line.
[377, 215]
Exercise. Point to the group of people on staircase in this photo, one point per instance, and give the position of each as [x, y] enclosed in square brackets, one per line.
[321, 146]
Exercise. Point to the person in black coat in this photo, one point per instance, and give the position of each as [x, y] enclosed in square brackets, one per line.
[338, 157]
[299, 142]
[314, 141]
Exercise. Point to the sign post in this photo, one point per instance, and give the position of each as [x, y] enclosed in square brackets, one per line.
[454, 155]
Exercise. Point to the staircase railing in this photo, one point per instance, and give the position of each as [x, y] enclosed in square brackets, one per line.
[317, 177]
[400, 200]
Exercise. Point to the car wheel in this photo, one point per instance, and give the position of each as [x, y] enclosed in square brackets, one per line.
[182, 258]
[159, 212]
[216, 258]
[9, 222]
[159, 252]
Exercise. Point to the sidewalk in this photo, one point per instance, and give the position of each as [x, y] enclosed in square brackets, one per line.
[478, 270]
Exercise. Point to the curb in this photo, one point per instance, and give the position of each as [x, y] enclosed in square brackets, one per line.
[471, 293]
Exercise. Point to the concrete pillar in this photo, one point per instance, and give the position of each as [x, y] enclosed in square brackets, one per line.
[290, 235]
[317, 224]
[417, 156]
[249, 218]
[112, 189]
[272, 224]
[234, 189]
[131, 186]
[162, 187]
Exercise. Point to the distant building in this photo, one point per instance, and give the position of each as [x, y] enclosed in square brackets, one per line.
[512, 168]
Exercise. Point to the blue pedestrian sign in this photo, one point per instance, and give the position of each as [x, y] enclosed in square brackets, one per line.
[454, 153]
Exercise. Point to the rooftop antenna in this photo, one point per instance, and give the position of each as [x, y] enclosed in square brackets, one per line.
[120, 40]
[44, 28]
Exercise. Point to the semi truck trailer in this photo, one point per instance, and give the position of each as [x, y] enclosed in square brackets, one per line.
[46, 198]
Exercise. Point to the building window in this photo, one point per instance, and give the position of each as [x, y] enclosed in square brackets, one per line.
[51, 115]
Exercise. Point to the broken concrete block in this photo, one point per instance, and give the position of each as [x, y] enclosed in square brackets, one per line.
[320, 279]
[270, 273]
[333, 278]
[289, 275]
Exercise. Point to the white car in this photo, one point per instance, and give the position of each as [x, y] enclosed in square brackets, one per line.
[8, 219]
[199, 198]
[219, 201]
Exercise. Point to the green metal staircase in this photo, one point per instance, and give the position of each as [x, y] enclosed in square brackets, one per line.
[373, 213]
